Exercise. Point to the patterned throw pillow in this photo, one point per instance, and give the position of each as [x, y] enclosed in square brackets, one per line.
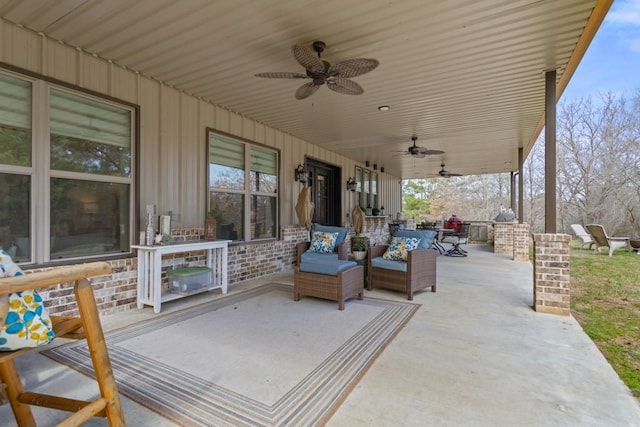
[399, 247]
[323, 243]
[26, 323]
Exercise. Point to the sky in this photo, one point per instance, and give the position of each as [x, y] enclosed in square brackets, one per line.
[612, 61]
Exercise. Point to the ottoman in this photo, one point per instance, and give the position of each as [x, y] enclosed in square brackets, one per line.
[336, 280]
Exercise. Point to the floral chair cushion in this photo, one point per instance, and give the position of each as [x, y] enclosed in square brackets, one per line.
[323, 242]
[27, 323]
[399, 247]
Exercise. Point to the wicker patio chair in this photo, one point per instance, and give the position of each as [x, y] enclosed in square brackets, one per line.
[341, 251]
[420, 272]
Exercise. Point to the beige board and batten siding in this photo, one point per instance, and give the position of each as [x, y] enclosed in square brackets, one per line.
[172, 145]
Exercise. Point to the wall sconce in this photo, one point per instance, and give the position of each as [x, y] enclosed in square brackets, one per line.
[351, 184]
[375, 166]
[301, 174]
[382, 169]
[366, 163]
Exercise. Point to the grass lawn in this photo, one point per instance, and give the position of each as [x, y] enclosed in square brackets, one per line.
[605, 299]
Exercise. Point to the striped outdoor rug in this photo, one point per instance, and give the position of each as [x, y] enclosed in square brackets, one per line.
[252, 358]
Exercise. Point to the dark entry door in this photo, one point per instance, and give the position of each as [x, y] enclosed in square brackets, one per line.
[325, 192]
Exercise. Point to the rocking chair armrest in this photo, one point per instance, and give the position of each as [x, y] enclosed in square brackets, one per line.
[46, 279]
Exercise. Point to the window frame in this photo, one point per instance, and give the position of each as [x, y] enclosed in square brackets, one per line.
[41, 173]
[367, 183]
[247, 192]
[373, 189]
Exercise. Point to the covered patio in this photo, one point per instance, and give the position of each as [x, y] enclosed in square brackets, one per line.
[171, 88]
[475, 353]
[163, 101]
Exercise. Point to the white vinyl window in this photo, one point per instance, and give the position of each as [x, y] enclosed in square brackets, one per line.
[366, 187]
[373, 195]
[71, 154]
[243, 189]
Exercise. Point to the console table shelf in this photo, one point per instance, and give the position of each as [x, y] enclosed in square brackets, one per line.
[150, 269]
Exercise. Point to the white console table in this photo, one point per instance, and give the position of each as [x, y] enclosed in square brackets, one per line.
[150, 268]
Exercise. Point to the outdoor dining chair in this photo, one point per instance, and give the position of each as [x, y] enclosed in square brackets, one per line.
[458, 239]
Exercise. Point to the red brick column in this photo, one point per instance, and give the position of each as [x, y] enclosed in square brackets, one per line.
[503, 238]
[521, 242]
[551, 273]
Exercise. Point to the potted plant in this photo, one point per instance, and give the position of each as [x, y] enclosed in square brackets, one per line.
[359, 246]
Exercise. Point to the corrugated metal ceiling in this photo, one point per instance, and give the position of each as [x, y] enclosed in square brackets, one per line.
[465, 76]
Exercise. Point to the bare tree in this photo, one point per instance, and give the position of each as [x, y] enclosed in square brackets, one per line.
[597, 149]
[533, 182]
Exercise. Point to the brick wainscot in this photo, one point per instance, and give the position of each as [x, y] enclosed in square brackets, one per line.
[117, 291]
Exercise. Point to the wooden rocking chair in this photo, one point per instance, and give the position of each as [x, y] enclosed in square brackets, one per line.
[86, 325]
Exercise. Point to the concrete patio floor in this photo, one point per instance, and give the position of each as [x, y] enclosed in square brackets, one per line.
[474, 354]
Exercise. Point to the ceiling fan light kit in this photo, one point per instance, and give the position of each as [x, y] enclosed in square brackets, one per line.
[336, 77]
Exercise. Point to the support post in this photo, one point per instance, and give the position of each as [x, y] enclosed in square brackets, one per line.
[550, 152]
[520, 185]
[512, 190]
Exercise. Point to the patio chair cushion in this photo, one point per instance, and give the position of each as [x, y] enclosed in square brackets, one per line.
[342, 231]
[389, 264]
[26, 323]
[329, 268]
[426, 236]
[399, 247]
[323, 242]
[308, 256]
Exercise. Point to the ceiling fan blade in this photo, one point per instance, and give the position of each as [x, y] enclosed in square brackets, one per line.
[431, 152]
[345, 86]
[282, 75]
[306, 90]
[354, 67]
[307, 58]
[447, 174]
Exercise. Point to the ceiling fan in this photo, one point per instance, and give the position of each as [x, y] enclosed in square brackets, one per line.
[417, 151]
[336, 77]
[445, 173]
